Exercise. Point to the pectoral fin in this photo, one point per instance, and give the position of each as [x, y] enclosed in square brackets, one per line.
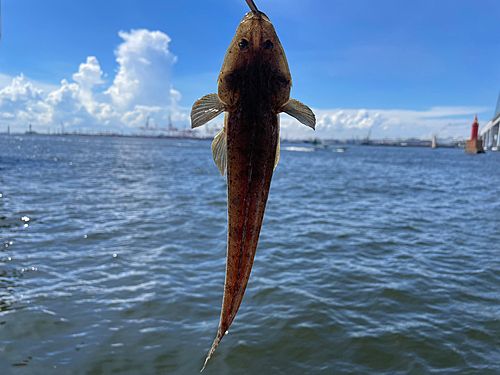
[219, 151]
[206, 109]
[301, 112]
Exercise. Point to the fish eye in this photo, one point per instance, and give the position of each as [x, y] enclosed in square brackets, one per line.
[268, 44]
[243, 44]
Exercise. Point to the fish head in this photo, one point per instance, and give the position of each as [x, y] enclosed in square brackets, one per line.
[255, 69]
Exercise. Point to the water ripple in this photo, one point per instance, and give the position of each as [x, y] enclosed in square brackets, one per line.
[376, 260]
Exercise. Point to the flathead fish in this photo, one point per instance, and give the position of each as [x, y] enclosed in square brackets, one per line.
[253, 88]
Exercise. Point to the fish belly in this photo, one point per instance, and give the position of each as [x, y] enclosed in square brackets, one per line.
[251, 151]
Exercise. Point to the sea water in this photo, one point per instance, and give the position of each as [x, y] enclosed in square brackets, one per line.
[376, 260]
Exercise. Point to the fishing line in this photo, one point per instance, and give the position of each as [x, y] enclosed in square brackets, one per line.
[252, 6]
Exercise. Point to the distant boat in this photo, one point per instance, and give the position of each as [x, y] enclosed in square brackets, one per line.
[341, 149]
[320, 146]
[434, 142]
[314, 141]
[317, 144]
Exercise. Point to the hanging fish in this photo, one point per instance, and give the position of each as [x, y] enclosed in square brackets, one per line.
[253, 88]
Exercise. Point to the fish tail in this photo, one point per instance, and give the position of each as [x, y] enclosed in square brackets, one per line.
[212, 349]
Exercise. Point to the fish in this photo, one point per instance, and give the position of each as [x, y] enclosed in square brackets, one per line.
[254, 87]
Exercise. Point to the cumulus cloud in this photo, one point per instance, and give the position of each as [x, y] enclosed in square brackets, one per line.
[22, 101]
[144, 62]
[445, 122]
[141, 89]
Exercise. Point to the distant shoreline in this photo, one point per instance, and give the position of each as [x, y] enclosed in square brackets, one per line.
[411, 142]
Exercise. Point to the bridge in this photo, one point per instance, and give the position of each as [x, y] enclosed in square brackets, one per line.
[490, 133]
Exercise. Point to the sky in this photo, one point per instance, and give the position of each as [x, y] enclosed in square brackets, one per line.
[390, 68]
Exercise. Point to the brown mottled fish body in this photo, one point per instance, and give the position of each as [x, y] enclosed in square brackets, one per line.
[254, 87]
[249, 171]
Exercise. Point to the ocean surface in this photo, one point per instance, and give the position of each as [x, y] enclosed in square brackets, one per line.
[377, 260]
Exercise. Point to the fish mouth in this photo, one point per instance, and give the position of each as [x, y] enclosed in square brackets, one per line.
[256, 16]
[255, 12]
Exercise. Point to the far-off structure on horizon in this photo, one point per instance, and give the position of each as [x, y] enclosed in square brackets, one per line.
[474, 145]
[490, 134]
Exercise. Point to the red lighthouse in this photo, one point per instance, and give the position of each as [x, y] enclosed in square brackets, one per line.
[474, 145]
[475, 129]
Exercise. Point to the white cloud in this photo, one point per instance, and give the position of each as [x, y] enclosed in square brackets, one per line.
[21, 101]
[89, 74]
[144, 73]
[384, 123]
[142, 88]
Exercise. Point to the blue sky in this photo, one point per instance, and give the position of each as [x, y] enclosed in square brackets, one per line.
[384, 57]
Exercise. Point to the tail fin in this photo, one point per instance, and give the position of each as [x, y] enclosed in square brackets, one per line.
[212, 349]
